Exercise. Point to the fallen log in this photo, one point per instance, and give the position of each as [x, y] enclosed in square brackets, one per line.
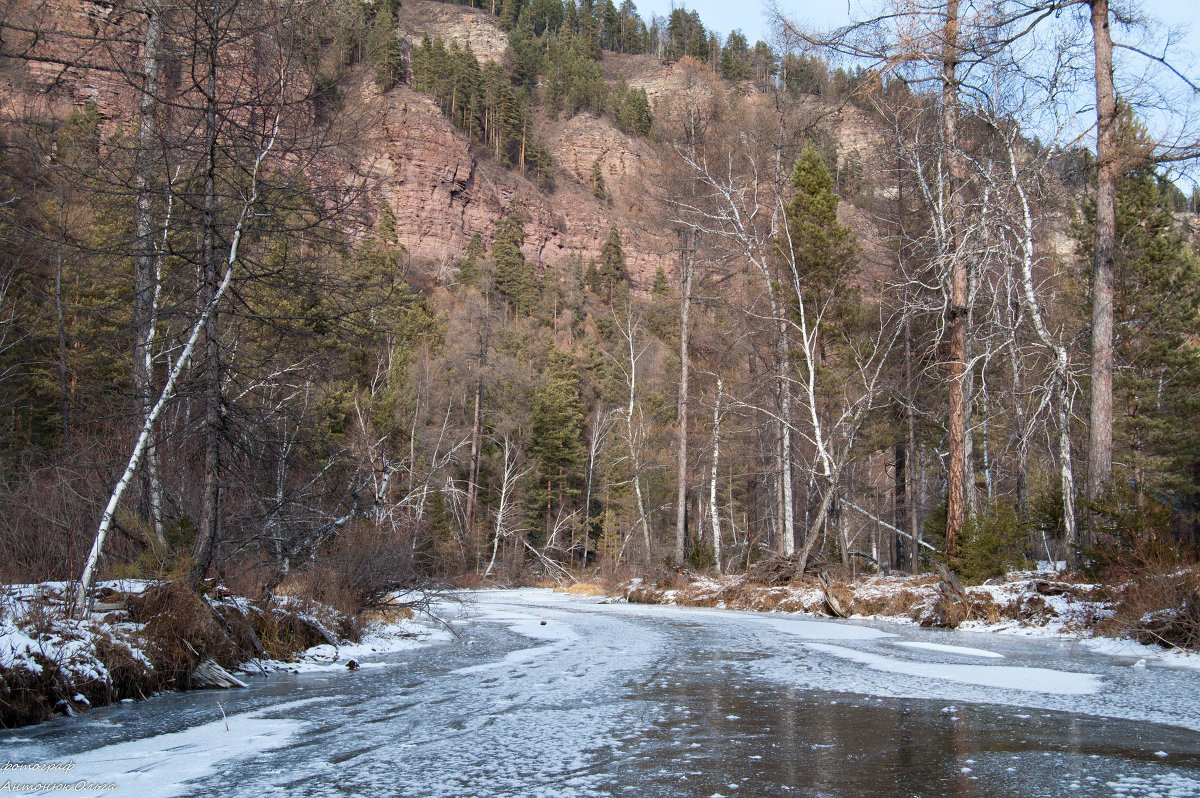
[210, 675]
[834, 604]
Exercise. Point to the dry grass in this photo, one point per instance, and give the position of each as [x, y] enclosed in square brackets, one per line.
[898, 603]
[584, 589]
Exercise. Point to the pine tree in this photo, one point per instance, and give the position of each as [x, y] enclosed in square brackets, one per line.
[556, 436]
[661, 287]
[735, 58]
[599, 190]
[822, 248]
[514, 276]
[385, 226]
[468, 267]
[1156, 281]
[385, 50]
[611, 268]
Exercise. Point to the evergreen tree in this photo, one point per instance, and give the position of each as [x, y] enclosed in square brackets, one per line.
[611, 268]
[556, 435]
[1156, 281]
[822, 248]
[599, 190]
[385, 49]
[514, 276]
[735, 59]
[661, 287]
[468, 267]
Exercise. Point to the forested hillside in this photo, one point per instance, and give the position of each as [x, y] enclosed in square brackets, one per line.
[344, 297]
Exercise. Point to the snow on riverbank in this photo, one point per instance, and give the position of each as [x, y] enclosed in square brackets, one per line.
[378, 638]
[143, 637]
[1030, 603]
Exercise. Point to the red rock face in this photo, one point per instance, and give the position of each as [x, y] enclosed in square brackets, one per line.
[441, 190]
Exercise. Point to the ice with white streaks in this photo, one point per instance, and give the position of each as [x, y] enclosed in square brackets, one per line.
[1040, 680]
[965, 651]
[552, 695]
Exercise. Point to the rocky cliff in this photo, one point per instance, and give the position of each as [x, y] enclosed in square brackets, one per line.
[441, 189]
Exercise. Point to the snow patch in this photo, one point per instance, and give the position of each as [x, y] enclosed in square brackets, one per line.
[963, 650]
[822, 630]
[159, 766]
[1040, 680]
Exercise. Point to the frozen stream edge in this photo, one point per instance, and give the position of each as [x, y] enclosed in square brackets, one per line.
[568, 649]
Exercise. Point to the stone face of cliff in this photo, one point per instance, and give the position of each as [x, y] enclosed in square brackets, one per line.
[441, 189]
[442, 192]
[453, 23]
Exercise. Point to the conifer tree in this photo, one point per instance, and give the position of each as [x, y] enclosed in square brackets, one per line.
[514, 276]
[385, 50]
[611, 268]
[556, 437]
[661, 287]
[599, 190]
[468, 267]
[822, 248]
[1156, 281]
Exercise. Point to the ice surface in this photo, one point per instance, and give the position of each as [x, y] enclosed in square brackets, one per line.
[1041, 680]
[157, 767]
[963, 650]
[620, 699]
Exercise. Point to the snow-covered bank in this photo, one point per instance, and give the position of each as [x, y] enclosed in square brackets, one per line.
[1025, 603]
[378, 638]
[143, 637]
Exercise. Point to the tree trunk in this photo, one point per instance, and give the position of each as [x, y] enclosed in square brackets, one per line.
[477, 422]
[911, 422]
[64, 385]
[956, 478]
[208, 535]
[145, 278]
[1100, 441]
[712, 483]
[900, 493]
[689, 254]
[787, 524]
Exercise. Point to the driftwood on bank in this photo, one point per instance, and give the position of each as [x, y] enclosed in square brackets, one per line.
[780, 570]
[832, 602]
[210, 675]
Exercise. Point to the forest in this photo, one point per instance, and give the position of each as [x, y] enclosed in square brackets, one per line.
[965, 333]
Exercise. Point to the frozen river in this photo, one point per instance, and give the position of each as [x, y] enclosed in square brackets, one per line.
[631, 700]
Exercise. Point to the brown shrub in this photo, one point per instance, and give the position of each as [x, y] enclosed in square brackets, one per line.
[891, 604]
[644, 594]
[1159, 609]
[180, 630]
[132, 676]
[284, 633]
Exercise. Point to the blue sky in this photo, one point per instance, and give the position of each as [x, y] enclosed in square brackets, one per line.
[1181, 16]
[748, 16]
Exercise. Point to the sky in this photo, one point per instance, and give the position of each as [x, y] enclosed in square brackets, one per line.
[1182, 17]
[748, 15]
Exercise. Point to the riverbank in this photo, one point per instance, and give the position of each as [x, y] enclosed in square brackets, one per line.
[143, 638]
[1041, 603]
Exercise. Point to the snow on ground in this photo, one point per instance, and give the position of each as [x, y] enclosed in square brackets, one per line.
[34, 634]
[377, 640]
[158, 766]
[31, 633]
[1027, 604]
